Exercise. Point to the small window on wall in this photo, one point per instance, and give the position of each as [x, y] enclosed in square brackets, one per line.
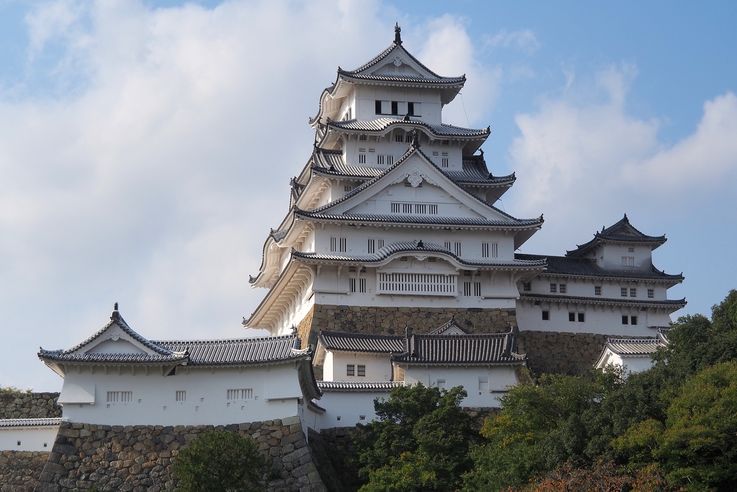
[362, 137]
[399, 137]
[411, 108]
[650, 293]
[546, 315]
[444, 162]
[563, 288]
[395, 107]
[458, 248]
[597, 290]
[433, 209]
[633, 292]
[362, 158]
[571, 317]
[350, 370]
[526, 286]
[628, 261]
[180, 395]
[351, 284]
[553, 288]
[361, 370]
[630, 249]
[390, 159]
[377, 106]
[371, 247]
[625, 320]
[447, 245]
[362, 285]
[484, 250]
[495, 250]
[581, 317]
[633, 320]
[623, 291]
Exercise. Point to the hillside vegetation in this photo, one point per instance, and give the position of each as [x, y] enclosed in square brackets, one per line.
[673, 427]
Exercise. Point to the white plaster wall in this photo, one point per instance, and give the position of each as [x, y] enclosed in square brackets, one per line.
[357, 239]
[631, 365]
[480, 395]
[387, 145]
[610, 256]
[378, 367]
[498, 289]
[346, 409]
[275, 394]
[585, 287]
[598, 319]
[31, 438]
[429, 99]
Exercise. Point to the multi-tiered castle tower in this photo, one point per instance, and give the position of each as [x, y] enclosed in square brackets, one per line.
[392, 220]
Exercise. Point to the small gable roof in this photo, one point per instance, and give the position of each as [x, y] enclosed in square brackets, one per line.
[464, 350]
[620, 232]
[359, 342]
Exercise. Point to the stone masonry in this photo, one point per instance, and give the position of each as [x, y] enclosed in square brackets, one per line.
[392, 320]
[19, 470]
[27, 405]
[559, 352]
[139, 458]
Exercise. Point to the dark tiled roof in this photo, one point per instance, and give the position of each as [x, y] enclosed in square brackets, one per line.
[381, 124]
[475, 349]
[621, 232]
[474, 170]
[126, 358]
[244, 351]
[157, 354]
[117, 320]
[392, 48]
[667, 303]
[415, 246]
[634, 347]
[356, 342]
[358, 387]
[421, 219]
[585, 267]
[40, 422]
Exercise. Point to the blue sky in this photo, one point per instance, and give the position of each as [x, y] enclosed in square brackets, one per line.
[147, 146]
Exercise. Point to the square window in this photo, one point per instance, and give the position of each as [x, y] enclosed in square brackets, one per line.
[350, 370]
[623, 291]
[633, 320]
[553, 288]
[597, 290]
[625, 320]
[562, 288]
[361, 370]
[546, 315]
[571, 316]
[581, 317]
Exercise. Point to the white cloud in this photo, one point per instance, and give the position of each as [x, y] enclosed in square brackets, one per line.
[584, 163]
[449, 51]
[523, 40]
[154, 179]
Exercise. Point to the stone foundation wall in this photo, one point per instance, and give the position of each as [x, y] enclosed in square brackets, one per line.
[25, 405]
[392, 320]
[19, 470]
[560, 353]
[139, 458]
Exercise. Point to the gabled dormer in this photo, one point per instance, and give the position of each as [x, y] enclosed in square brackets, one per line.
[393, 83]
[620, 247]
[116, 343]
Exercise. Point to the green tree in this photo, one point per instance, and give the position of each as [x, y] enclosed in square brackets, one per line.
[420, 441]
[219, 460]
[698, 449]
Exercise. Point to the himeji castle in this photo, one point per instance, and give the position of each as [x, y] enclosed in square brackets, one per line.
[392, 223]
[392, 266]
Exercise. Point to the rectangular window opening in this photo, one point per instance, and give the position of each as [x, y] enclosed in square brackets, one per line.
[350, 370]
[546, 315]
[362, 370]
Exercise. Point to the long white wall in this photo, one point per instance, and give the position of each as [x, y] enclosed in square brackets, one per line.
[346, 409]
[378, 366]
[274, 391]
[597, 319]
[28, 438]
[484, 385]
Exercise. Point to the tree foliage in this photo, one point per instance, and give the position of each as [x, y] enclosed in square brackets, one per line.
[420, 441]
[219, 460]
[675, 425]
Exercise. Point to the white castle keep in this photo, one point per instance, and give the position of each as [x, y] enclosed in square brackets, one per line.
[391, 266]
